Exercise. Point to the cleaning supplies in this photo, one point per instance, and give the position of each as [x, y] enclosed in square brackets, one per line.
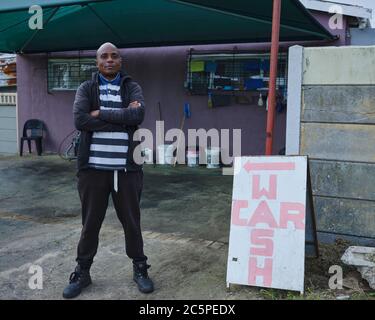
[210, 104]
[260, 101]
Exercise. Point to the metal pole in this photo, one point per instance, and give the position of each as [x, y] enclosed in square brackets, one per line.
[273, 75]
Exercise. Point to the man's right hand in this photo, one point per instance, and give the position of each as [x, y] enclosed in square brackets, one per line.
[134, 104]
[94, 113]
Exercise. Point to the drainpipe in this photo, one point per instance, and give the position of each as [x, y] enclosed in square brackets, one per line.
[273, 75]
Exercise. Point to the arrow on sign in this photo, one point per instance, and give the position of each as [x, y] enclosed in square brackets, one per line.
[285, 166]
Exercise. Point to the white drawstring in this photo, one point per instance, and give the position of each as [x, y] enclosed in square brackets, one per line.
[115, 180]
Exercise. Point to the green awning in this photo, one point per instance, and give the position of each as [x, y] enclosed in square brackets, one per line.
[79, 25]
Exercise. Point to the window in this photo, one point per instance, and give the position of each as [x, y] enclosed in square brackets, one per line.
[68, 74]
[219, 73]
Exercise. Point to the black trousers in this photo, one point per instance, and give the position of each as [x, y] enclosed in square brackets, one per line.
[94, 187]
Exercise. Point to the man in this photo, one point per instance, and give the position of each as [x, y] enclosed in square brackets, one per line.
[107, 110]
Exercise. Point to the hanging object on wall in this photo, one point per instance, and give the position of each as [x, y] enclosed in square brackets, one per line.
[210, 104]
[210, 66]
[197, 66]
[260, 101]
[187, 115]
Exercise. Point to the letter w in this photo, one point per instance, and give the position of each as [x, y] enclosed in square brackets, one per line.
[270, 193]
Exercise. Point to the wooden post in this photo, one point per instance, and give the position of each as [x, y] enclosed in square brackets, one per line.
[273, 75]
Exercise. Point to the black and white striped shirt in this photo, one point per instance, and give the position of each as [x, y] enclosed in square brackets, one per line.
[109, 150]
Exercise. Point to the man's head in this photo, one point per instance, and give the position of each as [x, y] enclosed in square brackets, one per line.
[108, 60]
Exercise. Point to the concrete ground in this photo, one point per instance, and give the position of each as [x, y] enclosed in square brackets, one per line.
[185, 223]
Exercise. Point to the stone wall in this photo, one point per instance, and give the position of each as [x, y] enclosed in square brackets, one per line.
[331, 118]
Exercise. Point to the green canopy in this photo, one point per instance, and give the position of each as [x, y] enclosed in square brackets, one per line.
[79, 25]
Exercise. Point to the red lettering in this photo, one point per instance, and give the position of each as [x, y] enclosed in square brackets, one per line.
[263, 214]
[259, 238]
[265, 272]
[236, 210]
[297, 218]
[270, 194]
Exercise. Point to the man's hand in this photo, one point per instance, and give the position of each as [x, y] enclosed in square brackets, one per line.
[134, 104]
[94, 113]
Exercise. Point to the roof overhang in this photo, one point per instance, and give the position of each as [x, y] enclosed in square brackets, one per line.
[79, 25]
[347, 9]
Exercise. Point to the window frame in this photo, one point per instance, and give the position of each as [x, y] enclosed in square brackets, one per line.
[73, 80]
[231, 57]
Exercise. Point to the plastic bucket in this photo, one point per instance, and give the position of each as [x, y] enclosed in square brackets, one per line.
[192, 158]
[148, 155]
[169, 154]
[213, 158]
[165, 153]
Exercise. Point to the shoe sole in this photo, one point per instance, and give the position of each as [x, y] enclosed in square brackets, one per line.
[144, 291]
[71, 297]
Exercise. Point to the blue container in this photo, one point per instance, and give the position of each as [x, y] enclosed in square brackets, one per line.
[253, 84]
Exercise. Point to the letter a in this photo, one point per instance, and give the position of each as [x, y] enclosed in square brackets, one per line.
[36, 21]
[263, 214]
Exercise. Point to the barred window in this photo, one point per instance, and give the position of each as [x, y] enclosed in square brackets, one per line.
[211, 73]
[68, 74]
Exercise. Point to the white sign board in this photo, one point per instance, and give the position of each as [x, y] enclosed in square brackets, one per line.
[267, 232]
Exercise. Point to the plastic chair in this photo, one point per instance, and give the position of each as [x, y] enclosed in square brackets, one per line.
[33, 130]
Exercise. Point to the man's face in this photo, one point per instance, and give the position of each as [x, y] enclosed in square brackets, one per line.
[108, 61]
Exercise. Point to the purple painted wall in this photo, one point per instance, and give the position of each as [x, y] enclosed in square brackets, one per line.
[161, 72]
[324, 18]
[35, 102]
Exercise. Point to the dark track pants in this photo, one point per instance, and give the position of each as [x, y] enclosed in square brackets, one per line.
[94, 187]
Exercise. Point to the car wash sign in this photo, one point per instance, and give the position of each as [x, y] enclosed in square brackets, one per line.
[267, 233]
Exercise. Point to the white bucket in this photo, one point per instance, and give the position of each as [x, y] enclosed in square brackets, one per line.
[213, 158]
[192, 158]
[148, 156]
[169, 154]
[165, 153]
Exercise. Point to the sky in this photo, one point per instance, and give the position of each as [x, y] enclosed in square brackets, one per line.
[365, 3]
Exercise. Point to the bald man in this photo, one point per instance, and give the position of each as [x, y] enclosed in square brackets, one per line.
[107, 110]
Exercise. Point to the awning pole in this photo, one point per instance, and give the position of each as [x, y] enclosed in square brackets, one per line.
[273, 75]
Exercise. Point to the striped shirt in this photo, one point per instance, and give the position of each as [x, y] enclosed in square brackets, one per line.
[109, 150]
